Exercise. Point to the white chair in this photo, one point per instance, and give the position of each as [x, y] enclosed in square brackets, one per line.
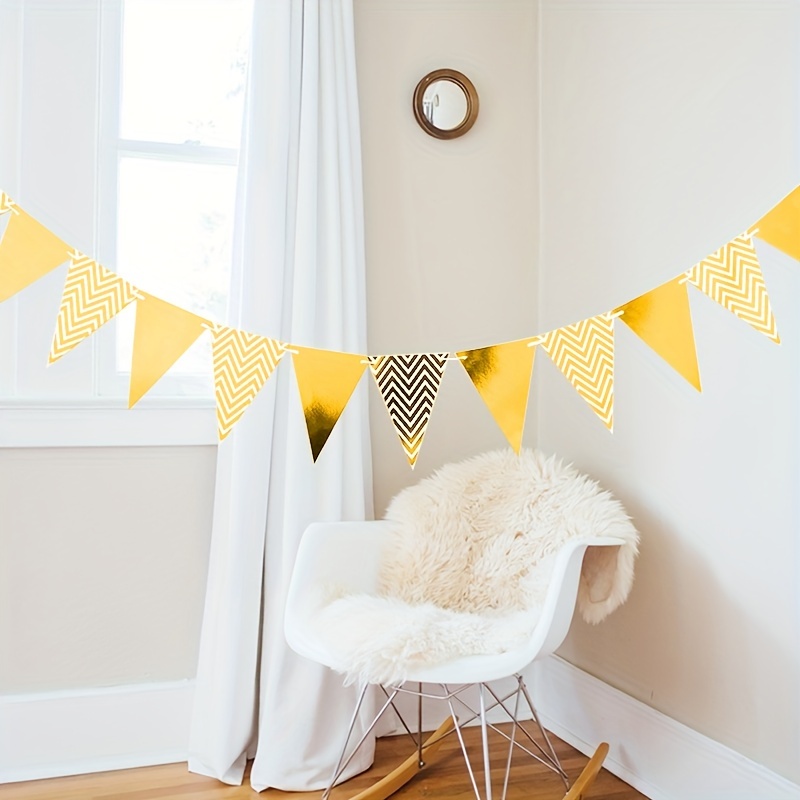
[340, 576]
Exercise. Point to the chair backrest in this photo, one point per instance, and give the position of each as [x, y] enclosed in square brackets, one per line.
[562, 594]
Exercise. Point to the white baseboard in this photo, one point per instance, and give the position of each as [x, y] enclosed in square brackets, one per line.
[660, 757]
[93, 730]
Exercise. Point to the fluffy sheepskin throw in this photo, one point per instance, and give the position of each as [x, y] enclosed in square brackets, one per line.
[469, 562]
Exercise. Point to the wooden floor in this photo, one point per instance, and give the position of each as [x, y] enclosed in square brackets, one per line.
[446, 778]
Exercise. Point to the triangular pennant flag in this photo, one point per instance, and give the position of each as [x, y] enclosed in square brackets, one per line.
[163, 333]
[92, 296]
[28, 251]
[242, 364]
[584, 352]
[326, 380]
[780, 227]
[409, 385]
[7, 204]
[662, 320]
[732, 277]
[502, 375]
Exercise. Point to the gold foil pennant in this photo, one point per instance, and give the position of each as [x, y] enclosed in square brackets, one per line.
[28, 251]
[326, 380]
[662, 319]
[163, 333]
[780, 226]
[502, 375]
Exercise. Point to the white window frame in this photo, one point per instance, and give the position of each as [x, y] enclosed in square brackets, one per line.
[103, 420]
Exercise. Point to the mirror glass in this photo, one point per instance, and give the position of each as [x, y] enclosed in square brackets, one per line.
[444, 104]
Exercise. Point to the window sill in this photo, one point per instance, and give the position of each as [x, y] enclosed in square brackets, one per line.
[104, 425]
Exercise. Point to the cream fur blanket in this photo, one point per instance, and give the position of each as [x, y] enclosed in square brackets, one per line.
[469, 563]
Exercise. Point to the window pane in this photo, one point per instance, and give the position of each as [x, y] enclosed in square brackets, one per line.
[183, 70]
[174, 231]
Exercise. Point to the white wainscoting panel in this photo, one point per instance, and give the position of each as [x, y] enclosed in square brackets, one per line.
[73, 732]
[660, 757]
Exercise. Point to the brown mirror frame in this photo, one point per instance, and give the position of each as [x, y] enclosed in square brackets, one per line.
[470, 93]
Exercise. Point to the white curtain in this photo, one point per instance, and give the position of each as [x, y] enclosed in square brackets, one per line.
[300, 278]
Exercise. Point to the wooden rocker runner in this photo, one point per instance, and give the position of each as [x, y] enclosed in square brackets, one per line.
[420, 761]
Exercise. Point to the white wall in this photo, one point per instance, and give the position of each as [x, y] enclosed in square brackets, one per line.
[668, 128]
[451, 226]
[103, 558]
[102, 550]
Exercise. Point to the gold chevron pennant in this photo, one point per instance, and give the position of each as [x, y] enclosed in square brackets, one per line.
[326, 380]
[502, 375]
[662, 320]
[584, 352]
[92, 296]
[28, 251]
[163, 333]
[242, 364]
[732, 277]
[409, 385]
[780, 227]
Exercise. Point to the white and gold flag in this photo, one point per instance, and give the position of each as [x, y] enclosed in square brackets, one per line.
[92, 296]
[584, 352]
[242, 364]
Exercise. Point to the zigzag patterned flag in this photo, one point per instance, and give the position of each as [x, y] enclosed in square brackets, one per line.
[242, 364]
[732, 277]
[584, 352]
[92, 296]
[28, 251]
[409, 385]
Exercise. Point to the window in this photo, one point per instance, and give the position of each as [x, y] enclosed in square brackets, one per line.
[171, 127]
[129, 115]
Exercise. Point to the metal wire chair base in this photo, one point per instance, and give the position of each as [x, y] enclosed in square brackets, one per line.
[538, 746]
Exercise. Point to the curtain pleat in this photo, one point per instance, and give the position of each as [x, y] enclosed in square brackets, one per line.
[300, 277]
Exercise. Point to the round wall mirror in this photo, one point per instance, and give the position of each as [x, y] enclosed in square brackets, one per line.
[445, 104]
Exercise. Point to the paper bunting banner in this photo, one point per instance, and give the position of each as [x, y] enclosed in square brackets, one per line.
[163, 333]
[92, 296]
[28, 251]
[502, 375]
[780, 227]
[584, 352]
[732, 277]
[242, 364]
[326, 380]
[409, 385]
[662, 320]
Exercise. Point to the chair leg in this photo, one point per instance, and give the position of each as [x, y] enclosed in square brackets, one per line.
[342, 763]
[553, 755]
[457, 725]
[487, 767]
[511, 741]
